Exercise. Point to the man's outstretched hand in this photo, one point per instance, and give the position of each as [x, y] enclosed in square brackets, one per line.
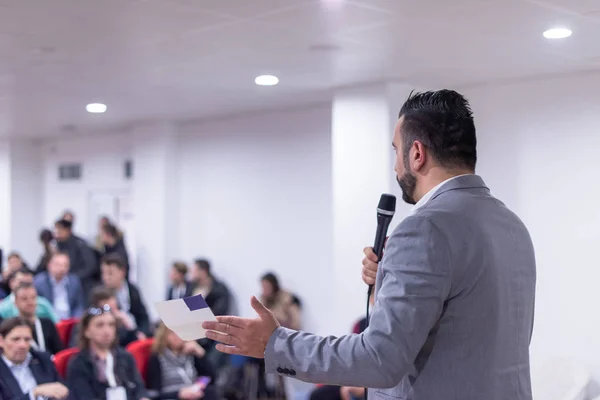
[243, 336]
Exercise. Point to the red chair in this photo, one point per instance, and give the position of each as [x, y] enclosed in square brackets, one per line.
[140, 350]
[65, 328]
[61, 360]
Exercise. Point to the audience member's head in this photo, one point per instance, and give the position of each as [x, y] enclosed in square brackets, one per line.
[270, 285]
[68, 215]
[165, 338]
[26, 300]
[59, 265]
[101, 296]
[46, 237]
[98, 329]
[109, 234]
[20, 277]
[104, 220]
[113, 271]
[15, 262]
[201, 273]
[178, 273]
[63, 230]
[16, 335]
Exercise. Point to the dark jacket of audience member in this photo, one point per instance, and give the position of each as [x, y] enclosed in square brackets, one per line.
[189, 291]
[119, 248]
[219, 299]
[138, 310]
[83, 383]
[43, 286]
[51, 338]
[41, 367]
[83, 261]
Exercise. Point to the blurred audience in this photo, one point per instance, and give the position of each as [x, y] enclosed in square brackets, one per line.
[283, 305]
[179, 287]
[128, 295]
[25, 373]
[113, 244]
[178, 370]
[61, 288]
[83, 261]
[102, 369]
[7, 306]
[14, 262]
[214, 291]
[45, 335]
[46, 238]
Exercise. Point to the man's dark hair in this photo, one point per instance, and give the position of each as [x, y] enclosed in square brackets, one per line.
[14, 254]
[110, 230]
[100, 295]
[24, 271]
[113, 259]
[23, 286]
[180, 267]
[46, 236]
[443, 121]
[9, 324]
[63, 223]
[203, 264]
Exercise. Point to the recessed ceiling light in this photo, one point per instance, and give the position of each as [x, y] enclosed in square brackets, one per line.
[557, 33]
[96, 108]
[266, 80]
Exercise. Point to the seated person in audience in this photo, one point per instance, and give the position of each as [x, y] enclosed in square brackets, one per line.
[179, 287]
[7, 306]
[175, 367]
[102, 369]
[83, 262]
[280, 302]
[214, 291]
[114, 244]
[45, 335]
[25, 373]
[14, 263]
[128, 295]
[61, 288]
[126, 328]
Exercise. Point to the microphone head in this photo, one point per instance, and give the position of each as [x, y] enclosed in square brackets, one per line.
[387, 204]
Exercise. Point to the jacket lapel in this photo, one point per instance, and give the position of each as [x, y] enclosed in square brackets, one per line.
[50, 291]
[9, 380]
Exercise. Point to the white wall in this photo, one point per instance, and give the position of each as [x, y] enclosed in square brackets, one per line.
[539, 146]
[102, 172]
[255, 196]
[5, 198]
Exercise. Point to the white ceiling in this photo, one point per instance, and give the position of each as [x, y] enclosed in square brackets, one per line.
[155, 59]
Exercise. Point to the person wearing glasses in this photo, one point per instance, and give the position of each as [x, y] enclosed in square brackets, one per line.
[102, 369]
[26, 374]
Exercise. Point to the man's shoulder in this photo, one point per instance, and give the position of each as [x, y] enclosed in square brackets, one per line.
[42, 356]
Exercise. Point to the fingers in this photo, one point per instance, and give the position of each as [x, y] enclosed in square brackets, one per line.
[235, 321]
[223, 338]
[259, 307]
[230, 349]
[368, 280]
[223, 328]
[370, 255]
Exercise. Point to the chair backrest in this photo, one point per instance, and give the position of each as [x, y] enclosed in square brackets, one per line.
[140, 350]
[65, 329]
[61, 360]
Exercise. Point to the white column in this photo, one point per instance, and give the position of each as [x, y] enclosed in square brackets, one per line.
[5, 197]
[363, 168]
[155, 204]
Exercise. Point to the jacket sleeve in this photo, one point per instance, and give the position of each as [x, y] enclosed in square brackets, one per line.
[414, 281]
[221, 306]
[140, 387]
[55, 344]
[80, 381]
[139, 312]
[88, 259]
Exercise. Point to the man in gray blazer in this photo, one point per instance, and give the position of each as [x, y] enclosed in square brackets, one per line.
[454, 293]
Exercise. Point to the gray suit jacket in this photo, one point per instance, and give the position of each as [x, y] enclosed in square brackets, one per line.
[453, 314]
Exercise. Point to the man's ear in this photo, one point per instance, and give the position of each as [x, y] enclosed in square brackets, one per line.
[418, 155]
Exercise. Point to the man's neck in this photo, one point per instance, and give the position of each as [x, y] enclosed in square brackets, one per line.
[436, 176]
[100, 352]
[30, 318]
[59, 279]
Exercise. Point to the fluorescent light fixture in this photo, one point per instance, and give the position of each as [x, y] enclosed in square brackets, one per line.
[557, 33]
[96, 108]
[266, 80]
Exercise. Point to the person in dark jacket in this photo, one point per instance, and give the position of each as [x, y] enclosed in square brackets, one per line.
[128, 295]
[89, 375]
[180, 287]
[114, 244]
[214, 291]
[42, 381]
[46, 238]
[82, 257]
[178, 370]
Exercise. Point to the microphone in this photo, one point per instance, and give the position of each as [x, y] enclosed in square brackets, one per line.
[385, 213]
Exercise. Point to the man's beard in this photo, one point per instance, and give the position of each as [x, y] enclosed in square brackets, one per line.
[408, 184]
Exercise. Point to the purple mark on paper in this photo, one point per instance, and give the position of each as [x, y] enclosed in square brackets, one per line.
[195, 302]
